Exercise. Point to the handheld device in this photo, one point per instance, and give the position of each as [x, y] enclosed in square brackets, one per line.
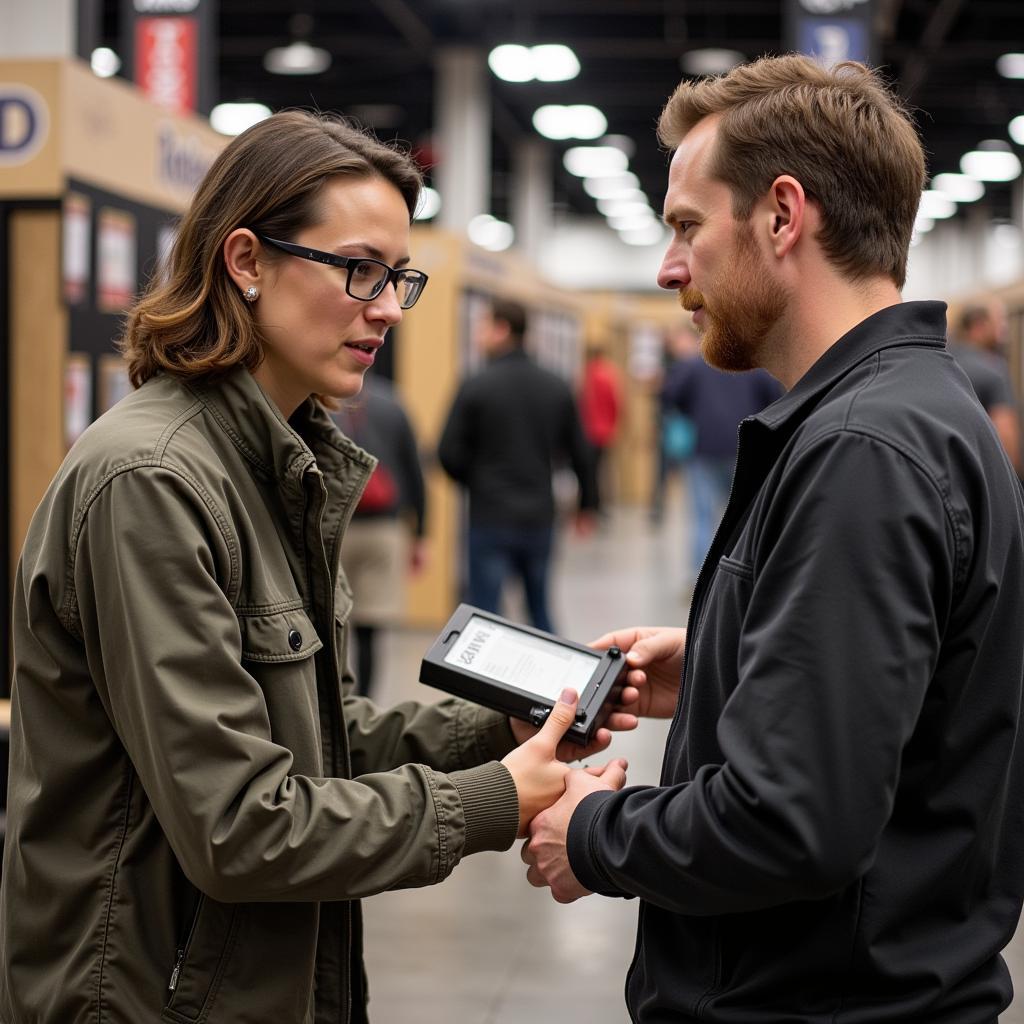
[521, 671]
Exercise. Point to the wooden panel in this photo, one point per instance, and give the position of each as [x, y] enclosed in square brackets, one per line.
[38, 344]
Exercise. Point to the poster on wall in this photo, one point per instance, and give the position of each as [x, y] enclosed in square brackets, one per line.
[77, 396]
[113, 381]
[76, 244]
[116, 260]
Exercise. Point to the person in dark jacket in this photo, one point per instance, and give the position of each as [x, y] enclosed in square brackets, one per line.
[385, 540]
[714, 402]
[838, 835]
[508, 428]
[197, 800]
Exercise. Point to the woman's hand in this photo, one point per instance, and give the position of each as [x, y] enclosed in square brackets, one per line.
[538, 773]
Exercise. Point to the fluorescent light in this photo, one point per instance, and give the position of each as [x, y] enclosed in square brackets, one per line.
[614, 186]
[429, 204]
[553, 62]
[1017, 130]
[624, 207]
[511, 63]
[298, 58]
[936, 205]
[631, 221]
[595, 161]
[578, 121]
[922, 225]
[651, 235]
[490, 233]
[550, 62]
[234, 118]
[959, 187]
[1011, 65]
[104, 62]
[993, 160]
[710, 60]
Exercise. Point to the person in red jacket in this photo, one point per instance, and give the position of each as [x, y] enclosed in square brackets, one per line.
[600, 411]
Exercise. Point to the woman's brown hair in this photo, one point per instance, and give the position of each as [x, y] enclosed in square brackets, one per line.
[839, 131]
[268, 179]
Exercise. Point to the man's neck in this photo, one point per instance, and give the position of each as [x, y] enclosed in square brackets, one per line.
[818, 318]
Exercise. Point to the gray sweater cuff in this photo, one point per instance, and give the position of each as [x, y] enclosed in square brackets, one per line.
[490, 805]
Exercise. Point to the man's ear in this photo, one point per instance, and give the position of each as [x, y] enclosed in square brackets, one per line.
[786, 207]
[240, 251]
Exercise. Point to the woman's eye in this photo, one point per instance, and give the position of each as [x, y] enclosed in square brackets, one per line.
[364, 271]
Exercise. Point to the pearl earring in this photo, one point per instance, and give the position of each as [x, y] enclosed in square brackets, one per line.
[251, 294]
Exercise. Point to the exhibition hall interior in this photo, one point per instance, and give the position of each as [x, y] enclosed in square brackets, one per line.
[533, 124]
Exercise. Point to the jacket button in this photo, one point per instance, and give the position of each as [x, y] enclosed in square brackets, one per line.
[294, 639]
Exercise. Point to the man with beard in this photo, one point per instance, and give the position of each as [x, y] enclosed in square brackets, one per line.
[838, 831]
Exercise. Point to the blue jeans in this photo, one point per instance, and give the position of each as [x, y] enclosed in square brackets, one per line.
[497, 552]
[710, 480]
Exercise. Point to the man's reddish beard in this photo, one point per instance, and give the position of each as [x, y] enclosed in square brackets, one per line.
[745, 307]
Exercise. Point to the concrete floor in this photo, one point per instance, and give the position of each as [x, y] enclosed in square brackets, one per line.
[485, 947]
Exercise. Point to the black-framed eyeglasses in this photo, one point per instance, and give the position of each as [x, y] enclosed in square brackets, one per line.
[365, 277]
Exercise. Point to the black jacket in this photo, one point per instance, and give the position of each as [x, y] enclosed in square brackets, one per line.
[508, 428]
[838, 836]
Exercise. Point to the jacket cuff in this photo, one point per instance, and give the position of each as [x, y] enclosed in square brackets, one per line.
[482, 735]
[490, 806]
[581, 845]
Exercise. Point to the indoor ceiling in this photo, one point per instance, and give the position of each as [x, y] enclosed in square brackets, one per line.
[940, 54]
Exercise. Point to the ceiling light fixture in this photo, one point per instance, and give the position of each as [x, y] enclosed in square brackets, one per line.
[922, 225]
[595, 161]
[429, 205]
[710, 60]
[548, 62]
[615, 186]
[958, 187]
[651, 235]
[104, 62]
[936, 205]
[234, 118]
[1011, 65]
[578, 121]
[993, 160]
[298, 58]
[490, 233]
[1017, 130]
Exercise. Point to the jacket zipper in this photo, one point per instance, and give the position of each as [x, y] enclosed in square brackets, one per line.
[179, 960]
[173, 983]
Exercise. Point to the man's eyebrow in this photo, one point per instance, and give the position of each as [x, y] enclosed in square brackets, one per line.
[679, 213]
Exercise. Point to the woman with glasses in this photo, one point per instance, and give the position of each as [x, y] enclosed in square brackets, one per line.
[197, 801]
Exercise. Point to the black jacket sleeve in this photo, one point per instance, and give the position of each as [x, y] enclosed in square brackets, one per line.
[852, 581]
[455, 450]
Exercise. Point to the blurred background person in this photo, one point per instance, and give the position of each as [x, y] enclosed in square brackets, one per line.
[674, 432]
[508, 427]
[385, 541]
[979, 348]
[600, 413]
[715, 402]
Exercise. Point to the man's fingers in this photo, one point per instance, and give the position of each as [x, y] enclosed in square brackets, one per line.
[614, 773]
[558, 721]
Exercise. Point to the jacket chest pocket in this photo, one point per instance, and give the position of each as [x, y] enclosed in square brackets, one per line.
[279, 650]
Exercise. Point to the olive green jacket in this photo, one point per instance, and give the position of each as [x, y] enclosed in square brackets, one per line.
[195, 801]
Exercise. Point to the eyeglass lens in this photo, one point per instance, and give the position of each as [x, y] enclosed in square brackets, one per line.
[367, 279]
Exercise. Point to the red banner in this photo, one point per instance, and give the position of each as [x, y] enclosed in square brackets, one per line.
[166, 61]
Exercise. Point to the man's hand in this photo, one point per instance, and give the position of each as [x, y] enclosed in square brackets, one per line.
[545, 851]
[534, 765]
[655, 658]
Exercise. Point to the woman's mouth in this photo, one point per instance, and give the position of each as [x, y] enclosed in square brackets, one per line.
[363, 351]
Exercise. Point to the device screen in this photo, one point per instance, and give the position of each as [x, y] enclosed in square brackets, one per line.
[522, 660]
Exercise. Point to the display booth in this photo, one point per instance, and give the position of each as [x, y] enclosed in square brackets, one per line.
[92, 179]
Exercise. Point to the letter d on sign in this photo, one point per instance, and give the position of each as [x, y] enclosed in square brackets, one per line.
[23, 123]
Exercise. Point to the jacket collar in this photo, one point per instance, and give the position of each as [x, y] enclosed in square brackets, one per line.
[277, 448]
[906, 323]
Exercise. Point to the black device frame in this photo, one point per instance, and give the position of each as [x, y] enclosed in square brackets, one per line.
[594, 703]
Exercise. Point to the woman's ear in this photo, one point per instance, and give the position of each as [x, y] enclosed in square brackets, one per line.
[240, 251]
[787, 205]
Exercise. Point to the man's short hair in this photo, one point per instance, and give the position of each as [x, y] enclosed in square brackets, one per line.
[513, 314]
[839, 131]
